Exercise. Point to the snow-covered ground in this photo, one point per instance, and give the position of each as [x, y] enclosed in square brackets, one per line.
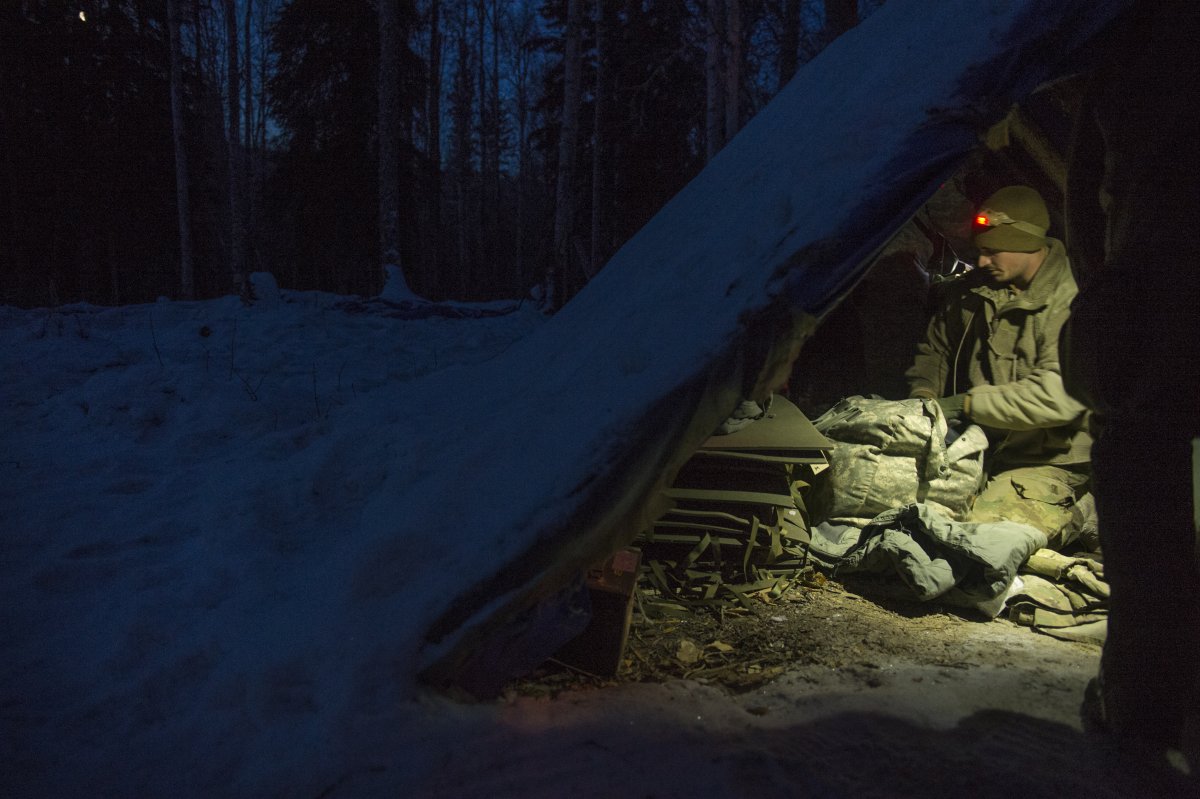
[180, 480]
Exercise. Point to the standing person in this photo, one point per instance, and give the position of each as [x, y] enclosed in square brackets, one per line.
[1132, 352]
[990, 356]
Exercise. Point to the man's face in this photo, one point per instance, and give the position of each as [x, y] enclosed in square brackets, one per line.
[1010, 268]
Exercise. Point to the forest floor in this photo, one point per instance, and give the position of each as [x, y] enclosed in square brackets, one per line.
[821, 627]
[821, 692]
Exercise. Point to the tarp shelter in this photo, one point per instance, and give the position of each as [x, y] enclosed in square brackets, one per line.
[708, 303]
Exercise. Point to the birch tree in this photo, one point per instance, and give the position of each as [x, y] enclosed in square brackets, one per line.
[434, 120]
[389, 132]
[187, 280]
[237, 226]
[602, 161]
[733, 68]
[713, 105]
[265, 12]
[789, 42]
[494, 132]
[483, 129]
[461, 98]
[247, 78]
[564, 207]
[523, 24]
[215, 160]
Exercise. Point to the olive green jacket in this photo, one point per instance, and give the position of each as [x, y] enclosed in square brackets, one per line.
[1001, 348]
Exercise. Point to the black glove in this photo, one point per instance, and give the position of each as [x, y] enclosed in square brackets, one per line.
[952, 406]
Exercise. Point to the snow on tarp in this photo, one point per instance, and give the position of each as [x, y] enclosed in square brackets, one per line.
[253, 617]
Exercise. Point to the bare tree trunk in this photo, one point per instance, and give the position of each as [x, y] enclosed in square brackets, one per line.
[237, 229]
[460, 157]
[250, 194]
[602, 165]
[260, 121]
[522, 78]
[733, 68]
[210, 103]
[187, 278]
[485, 140]
[205, 63]
[712, 82]
[493, 176]
[840, 16]
[248, 79]
[212, 151]
[434, 113]
[789, 42]
[568, 135]
[389, 141]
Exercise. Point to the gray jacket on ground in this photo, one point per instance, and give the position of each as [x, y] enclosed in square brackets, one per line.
[965, 563]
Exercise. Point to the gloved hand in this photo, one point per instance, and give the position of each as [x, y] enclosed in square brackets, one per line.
[953, 406]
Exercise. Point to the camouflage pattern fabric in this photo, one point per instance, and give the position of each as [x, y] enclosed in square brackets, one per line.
[1065, 597]
[1041, 496]
[888, 454]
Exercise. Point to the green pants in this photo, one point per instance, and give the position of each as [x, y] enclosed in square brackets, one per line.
[1044, 497]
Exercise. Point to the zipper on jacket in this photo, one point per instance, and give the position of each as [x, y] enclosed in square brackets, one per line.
[958, 352]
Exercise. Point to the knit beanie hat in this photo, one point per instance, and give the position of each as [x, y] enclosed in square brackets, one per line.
[1013, 219]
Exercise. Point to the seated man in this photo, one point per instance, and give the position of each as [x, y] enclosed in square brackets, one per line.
[990, 356]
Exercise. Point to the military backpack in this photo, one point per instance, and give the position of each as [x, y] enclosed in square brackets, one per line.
[890, 453]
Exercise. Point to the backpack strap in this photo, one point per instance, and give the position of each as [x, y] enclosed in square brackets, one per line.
[937, 464]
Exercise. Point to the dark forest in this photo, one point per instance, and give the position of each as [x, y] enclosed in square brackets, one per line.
[169, 148]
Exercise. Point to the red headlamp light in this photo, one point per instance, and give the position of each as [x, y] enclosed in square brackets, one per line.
[987, 219]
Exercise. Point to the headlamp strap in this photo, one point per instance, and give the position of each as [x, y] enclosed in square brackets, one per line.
[993, 219]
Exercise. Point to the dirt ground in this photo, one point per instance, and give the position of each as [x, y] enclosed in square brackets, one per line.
[821, 692]
[824, 626]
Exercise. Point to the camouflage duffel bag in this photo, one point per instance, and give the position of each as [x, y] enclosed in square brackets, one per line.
[890, 453]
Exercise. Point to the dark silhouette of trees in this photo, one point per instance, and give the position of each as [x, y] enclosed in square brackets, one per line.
[492, 148]
[389, 134]
[187, 277]
[233, 141]
[323, 195]
[563, 280]
[88, 185]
